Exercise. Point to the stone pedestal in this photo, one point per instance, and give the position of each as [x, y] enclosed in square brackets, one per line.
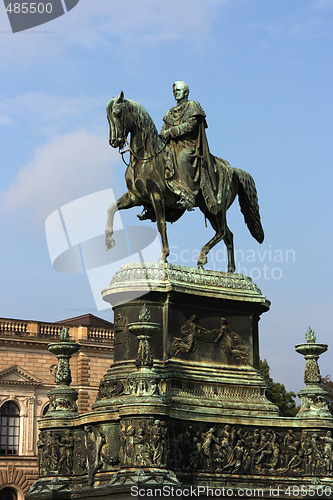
[206, 350]
[184, 405]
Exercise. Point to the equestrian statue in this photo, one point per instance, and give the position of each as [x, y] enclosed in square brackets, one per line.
[174, 171]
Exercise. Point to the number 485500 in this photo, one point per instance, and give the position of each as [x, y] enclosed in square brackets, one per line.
[29, 8]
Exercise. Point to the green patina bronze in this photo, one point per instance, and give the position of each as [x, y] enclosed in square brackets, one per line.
[175, 171]
[63, 397]
[313, 397]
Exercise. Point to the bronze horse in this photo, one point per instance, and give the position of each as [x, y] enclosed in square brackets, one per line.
[146, 184]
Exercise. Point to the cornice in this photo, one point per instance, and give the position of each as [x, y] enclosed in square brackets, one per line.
[21, 382]
[42, 344]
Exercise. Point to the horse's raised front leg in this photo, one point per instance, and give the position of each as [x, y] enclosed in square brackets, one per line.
[127, 200]
[159, 209]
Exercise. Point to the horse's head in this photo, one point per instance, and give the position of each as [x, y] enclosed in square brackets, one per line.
[118, 121]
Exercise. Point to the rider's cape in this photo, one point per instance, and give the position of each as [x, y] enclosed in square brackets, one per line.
[214, 173]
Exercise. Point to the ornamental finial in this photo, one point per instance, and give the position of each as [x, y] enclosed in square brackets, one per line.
[310, 336]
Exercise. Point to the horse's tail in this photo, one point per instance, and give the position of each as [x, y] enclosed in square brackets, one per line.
[248, 201]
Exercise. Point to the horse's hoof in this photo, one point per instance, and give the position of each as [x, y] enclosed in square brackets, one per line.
[162, 260]
[201, 262]
[109, 243]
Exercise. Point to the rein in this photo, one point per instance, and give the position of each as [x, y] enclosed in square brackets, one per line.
[130, 150]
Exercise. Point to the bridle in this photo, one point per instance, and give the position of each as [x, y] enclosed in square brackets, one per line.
[123, 140]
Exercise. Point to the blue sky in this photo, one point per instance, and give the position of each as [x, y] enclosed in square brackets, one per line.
[262, 71]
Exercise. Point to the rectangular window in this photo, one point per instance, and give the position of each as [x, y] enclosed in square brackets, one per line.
[9, 428]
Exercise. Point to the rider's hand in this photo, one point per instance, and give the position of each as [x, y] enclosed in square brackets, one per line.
[165, 135]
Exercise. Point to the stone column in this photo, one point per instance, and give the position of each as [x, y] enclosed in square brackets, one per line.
[83, 376]
[63, 397]
[313, 397]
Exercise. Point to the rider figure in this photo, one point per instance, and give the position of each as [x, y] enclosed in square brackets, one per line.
[187, 149]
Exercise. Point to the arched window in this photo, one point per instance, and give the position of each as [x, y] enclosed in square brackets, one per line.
[8, 494]
[9, 428]
[44, 412]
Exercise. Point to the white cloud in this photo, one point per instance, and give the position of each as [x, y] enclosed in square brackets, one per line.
[114, 26]
[322, 5]
[292, 28]
[147, 22]
[49, 114]
[69, 166]
[4, 119]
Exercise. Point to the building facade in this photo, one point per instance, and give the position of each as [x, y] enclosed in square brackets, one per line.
[27, 371]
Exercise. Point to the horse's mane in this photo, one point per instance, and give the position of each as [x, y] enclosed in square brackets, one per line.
[144, 122]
